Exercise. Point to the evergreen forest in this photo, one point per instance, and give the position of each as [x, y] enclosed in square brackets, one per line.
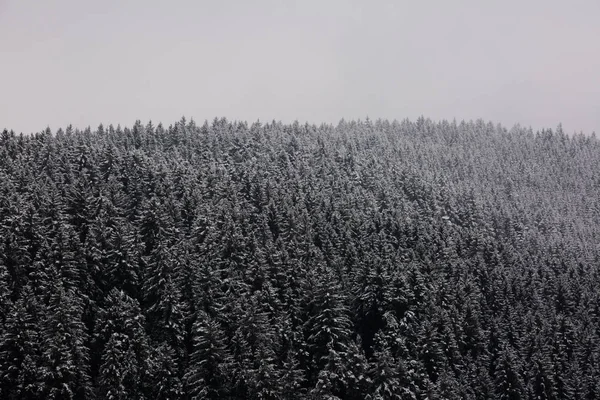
[405, 260]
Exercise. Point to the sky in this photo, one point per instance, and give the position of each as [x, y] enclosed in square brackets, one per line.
[534, 63]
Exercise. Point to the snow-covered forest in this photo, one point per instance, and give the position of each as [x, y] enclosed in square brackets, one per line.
[368, 260]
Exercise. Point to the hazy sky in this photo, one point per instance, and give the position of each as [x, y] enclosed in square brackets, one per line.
[87, 62]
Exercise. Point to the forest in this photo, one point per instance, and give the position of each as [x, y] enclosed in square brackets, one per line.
[375, 260]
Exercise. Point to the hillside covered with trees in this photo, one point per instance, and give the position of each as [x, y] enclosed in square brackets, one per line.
[368, 260]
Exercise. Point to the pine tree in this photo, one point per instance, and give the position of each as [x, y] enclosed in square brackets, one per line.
[291, 377]
[65, 371]
[162, 298]
[385, 373]
[509, 382]
[207, 373]
[21, 350]
[5, 295]
[126, 355]
[328, 341]
[119, 374]
[253, 368]
[542, 385]
[164, 374]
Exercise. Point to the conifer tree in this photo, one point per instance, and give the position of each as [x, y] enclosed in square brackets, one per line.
[21, 350]
[126, 356]
[207, 372]
[65, 366]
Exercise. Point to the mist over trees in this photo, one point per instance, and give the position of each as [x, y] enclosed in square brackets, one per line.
[368, 260]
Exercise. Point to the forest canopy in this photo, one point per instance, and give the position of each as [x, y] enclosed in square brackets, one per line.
[368, 260]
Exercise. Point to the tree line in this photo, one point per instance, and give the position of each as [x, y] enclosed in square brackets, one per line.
[367, 260]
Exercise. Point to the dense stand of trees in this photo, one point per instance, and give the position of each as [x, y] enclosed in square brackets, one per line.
[371, 260]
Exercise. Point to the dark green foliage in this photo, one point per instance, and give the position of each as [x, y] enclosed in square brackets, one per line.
[371, 260]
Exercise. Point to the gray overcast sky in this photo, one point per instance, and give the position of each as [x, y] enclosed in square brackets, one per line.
[531, 62]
